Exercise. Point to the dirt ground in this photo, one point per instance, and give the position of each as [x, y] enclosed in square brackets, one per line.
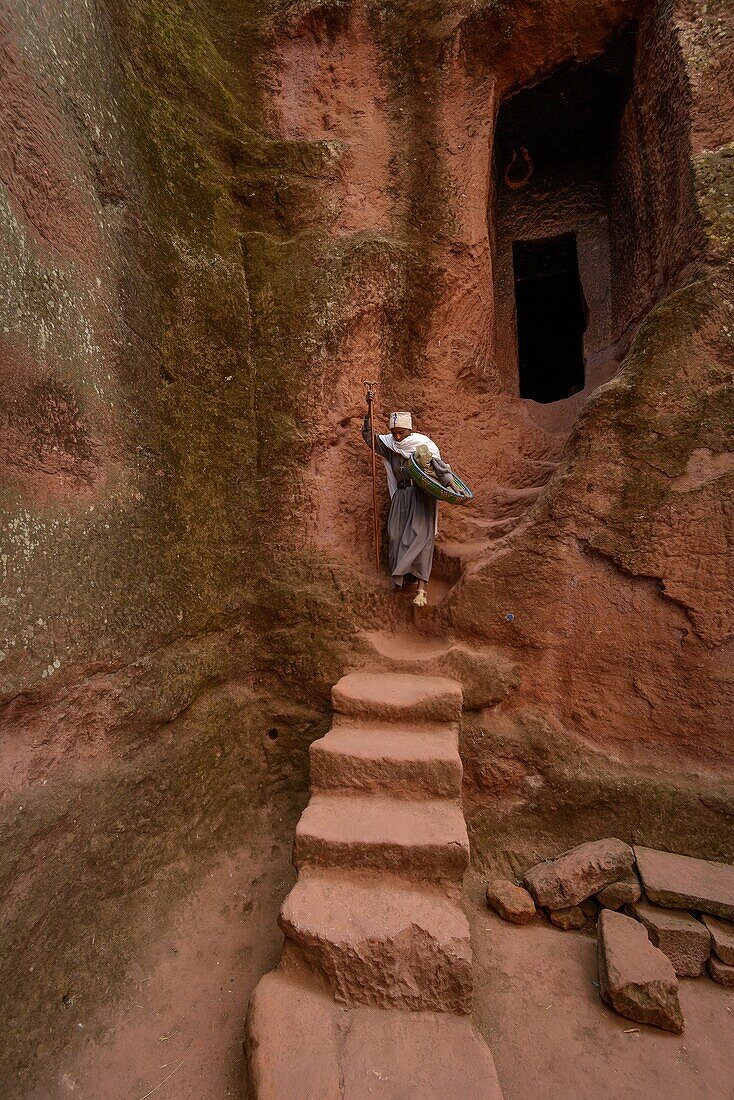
[177, 1033]
[552, 1038]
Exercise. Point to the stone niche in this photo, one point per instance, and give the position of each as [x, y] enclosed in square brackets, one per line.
[562, 212]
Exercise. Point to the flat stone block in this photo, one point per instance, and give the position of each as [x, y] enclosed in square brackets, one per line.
[720, 972]
[292, 1042]
[681, 937]
[427, 1055]
[680, 882]
[635, 978]
[722, 936]
[301, 1045]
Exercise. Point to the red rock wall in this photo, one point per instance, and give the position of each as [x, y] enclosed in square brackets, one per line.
[572, 202]
[141, 663]
[606, 577]
[656, 234]
[619, 583]
[216, 222]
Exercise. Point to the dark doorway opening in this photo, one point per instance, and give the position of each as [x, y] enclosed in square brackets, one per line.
[551, 318]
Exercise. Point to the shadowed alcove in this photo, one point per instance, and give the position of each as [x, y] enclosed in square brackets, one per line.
[554, 152]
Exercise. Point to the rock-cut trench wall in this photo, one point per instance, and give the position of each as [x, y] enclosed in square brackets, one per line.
[167, 640]
[217, 219]
[598, 552]
[620, 581]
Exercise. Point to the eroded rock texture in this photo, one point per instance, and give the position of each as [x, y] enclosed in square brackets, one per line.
[217, 219]
[140, 673]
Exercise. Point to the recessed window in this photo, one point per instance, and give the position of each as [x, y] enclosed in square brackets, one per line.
[551, 318]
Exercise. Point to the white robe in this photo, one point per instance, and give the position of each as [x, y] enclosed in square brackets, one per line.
[406, 447]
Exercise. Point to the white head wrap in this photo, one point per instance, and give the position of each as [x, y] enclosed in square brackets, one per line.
[401, 420]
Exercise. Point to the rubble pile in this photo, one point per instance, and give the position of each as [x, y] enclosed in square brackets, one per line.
[660, 916]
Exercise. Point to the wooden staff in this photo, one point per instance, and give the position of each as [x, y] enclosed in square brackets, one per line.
[371, 388]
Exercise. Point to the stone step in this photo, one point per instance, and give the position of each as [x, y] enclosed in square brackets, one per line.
[378, 940]
[486, 676]
[398, 696]
[303, 1046]
[421, 760]
[423, 840]
[434, 620]
[447, 562]
[402, 646]
[454, 556]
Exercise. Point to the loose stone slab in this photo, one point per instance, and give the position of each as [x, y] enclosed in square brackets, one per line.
[722, 935]
[624, 892]
[579, 873]
[635, 978]
[681, 937]
[680, 882]
[511, 902]
[568, 919]
[720, 972]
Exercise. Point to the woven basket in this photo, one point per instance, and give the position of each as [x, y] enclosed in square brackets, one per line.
[435, 489]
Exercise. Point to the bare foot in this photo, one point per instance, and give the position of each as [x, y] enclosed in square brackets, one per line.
[421, 599]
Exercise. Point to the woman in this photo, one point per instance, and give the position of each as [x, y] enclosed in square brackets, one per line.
[411, 522]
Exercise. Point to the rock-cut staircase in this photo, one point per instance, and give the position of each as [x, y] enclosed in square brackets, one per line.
[372, 996]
